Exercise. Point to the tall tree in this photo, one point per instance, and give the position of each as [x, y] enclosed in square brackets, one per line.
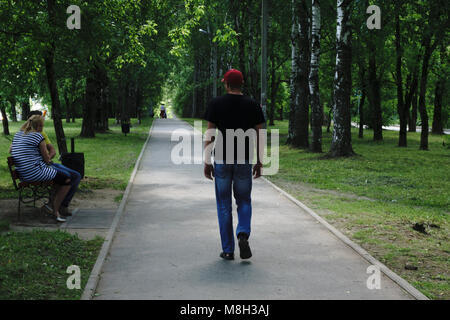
[316, 107]
[299, 117]
[49, 57]
[436, 26]
[341, 143]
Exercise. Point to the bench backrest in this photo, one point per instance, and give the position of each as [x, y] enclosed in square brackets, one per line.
[13, 171]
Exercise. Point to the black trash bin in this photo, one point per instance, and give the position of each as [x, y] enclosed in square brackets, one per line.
[125, 128]
[74, 160]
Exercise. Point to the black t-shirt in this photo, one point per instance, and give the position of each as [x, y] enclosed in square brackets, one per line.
[234, 112]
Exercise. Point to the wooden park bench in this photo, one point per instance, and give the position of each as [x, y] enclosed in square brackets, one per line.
[38, 189]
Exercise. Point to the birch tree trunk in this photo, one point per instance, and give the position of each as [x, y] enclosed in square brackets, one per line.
[294, 98]
[341, 143]
[316, 108]
[299, 118]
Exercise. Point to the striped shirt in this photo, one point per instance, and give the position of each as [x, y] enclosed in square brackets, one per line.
[28, 159]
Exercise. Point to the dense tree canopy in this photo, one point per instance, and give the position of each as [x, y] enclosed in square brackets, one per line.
[325, 61]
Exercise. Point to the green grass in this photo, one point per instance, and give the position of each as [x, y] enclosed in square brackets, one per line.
[33, 264]
[109, 157]
[376, 197]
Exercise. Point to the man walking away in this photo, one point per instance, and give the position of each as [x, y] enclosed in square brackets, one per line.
[233, 111]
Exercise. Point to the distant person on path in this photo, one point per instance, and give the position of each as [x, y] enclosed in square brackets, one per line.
[32, 160]
[163, 113]
[233, 111]
[75, 176]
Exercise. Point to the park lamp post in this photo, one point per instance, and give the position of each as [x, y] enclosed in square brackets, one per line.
[214, 58]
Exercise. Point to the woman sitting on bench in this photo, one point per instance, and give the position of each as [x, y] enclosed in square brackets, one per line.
[32, 160]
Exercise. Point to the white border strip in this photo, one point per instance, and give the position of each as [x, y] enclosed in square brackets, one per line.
[94, 277]
[363, 253]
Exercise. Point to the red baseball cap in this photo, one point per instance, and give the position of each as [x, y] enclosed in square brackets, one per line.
[233, 76]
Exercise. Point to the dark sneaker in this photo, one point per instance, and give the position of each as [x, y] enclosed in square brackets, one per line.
[243, 246]
[227, 256]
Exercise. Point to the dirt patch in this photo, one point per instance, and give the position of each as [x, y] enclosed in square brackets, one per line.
[33, 217]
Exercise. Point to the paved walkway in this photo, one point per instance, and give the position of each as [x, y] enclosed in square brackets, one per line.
[167, 244]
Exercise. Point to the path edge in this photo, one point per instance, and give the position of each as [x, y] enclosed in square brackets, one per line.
[94, 277]
[405, 285]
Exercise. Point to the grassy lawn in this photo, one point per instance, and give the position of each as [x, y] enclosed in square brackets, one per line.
[377, 197]
[109, 157]
[33, 264]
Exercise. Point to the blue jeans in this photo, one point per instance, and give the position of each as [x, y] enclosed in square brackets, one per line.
[75, 179]
[236, 177]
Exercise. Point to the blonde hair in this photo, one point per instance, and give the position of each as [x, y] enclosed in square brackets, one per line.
[32, 124]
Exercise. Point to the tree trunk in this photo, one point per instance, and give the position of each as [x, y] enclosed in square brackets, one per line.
[401, 108]
[238, 12]
[300, 72]
[422, 93]
[341, 143]
[56, 104]
[363, 92]
[52, 85]
[125, 114]
[72, 104]
[316, 107]
[280, 113]
[375, 97]
[68, 107]
[4, 120]
[13, 102]
[25, 110]
[273, 95]
[437, 127]
[89, 107]
[254, 55]
[361, 114]
[195, 89]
